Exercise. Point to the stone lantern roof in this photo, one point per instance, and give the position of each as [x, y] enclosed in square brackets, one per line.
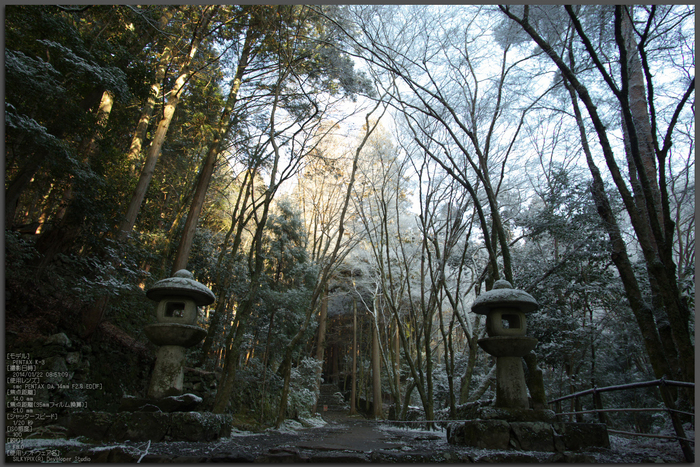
[503, 295]
[182, 284]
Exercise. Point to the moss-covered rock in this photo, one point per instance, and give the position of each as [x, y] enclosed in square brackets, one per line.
[486, 434]
[197, 426]
[528, 436]
[532, 436]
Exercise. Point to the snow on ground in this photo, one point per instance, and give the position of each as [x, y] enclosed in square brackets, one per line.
[622, 448]
[654, 449]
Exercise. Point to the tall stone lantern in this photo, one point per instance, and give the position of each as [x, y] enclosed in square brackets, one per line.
[178, 298]
[505, 310]
[509, 423]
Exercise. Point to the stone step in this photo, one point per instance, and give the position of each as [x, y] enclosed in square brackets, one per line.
[329, 389]
[330, 400]
[329, 409]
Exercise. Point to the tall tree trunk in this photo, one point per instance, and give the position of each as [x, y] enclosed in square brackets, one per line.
[214, 324]
[429, 373]
[205, 174]
[407, 399]
[265, 359]
[235, 336]
[175, 93]
[353, 392]
[147, 111]
[671, 318]
[471, 362]
[376, 373]
[149, 163]
[640, 120]
[238, 223]
[449, 360]
[641, 310]
[640, 117]
[231, 357]
[145, 118]
[321, 344]
[397, 368]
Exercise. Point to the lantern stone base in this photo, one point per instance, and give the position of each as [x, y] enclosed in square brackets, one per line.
[528, 436]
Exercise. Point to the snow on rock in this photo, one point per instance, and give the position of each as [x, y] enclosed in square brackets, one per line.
[236, 432]
[288, 426]
[315, 421]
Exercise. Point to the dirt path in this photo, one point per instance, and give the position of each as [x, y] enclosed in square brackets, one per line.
[355, 434]
[343, 439]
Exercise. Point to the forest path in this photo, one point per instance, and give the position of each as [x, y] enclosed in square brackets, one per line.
[348, 438]
[351, 433]
[345, 439]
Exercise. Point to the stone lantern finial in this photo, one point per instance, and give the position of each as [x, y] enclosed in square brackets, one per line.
[502, 284]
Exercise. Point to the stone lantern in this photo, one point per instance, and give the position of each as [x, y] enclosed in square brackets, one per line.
[510, 424]
[505, 310]
[178, 298]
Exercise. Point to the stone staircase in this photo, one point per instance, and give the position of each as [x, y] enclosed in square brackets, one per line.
[331, 399]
